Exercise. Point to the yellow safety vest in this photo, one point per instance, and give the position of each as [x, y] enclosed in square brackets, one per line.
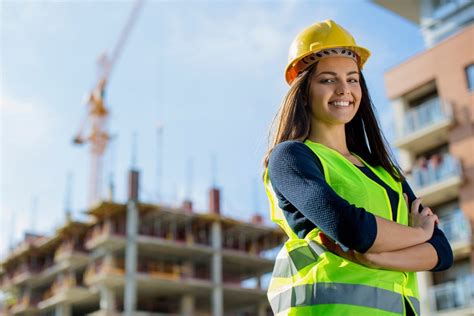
[309, 280]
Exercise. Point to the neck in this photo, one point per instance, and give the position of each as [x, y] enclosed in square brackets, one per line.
[332, 136]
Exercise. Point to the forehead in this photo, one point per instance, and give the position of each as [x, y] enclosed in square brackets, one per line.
[336, 64]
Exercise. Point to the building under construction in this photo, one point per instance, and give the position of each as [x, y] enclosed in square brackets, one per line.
[143, 259]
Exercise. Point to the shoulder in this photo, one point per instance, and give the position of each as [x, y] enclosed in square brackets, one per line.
[293, 155]
[290, 149]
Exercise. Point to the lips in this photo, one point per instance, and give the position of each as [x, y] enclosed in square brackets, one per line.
[341, 100]
[341, 103]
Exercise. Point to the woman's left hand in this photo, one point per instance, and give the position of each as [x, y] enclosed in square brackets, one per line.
[366, 259]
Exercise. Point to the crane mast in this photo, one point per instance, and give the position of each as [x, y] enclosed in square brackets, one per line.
[97, 116]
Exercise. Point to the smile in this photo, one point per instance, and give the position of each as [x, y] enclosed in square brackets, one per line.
[341, 103]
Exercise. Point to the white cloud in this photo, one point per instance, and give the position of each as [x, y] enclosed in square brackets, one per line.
[250, 37]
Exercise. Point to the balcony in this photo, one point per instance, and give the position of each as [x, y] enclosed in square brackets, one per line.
[25, 305]
[66, 290]
[159, 246]
[22, 273]
[425, 126]
[34, 273]
[453, 298]
[458, 231]
[6, 282]
[151, 275]
[109, 235]
[71, 255]
[105, 270]
[436, 180]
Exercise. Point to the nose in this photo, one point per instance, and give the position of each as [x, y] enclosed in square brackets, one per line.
[342, 89]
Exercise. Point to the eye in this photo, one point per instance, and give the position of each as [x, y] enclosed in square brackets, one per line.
[325, 80]
[353, 80]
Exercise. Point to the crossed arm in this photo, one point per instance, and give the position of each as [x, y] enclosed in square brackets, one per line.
[420, 257]
[375, 241]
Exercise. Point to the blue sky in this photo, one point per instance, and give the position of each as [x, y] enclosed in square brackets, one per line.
[211, 72]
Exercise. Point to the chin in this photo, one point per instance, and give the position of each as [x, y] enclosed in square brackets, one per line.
[342, 119]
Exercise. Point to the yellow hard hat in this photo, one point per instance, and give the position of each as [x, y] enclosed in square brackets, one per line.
[316, 38]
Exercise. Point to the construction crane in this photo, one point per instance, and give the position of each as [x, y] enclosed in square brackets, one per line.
[97, 113]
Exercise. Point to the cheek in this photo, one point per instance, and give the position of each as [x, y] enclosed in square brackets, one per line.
[318, 101]
[358, 92]
[321, 95]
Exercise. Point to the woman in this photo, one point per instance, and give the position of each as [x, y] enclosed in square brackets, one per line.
[357, 234]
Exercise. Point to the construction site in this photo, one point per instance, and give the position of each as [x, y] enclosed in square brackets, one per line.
[158, 260]
[138, 258]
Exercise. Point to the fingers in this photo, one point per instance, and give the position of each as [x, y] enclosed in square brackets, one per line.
[416, 205]
[426, 211]
[405, 196]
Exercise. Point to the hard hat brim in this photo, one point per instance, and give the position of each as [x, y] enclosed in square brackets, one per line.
[292, 70]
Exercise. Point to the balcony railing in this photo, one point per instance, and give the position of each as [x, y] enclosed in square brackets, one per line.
[426, 114]
[159, 269]
[458, 294]
[456, 227]
[434, 170]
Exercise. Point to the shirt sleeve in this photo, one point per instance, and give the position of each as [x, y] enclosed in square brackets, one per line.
[438, 240]
[296, 178]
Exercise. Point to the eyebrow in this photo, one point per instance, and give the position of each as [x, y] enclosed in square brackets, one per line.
[333, 73]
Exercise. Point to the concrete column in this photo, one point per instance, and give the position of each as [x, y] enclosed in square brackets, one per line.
[406, 159]
[399, 108]
[107, 299]
[187, 305]
[217, 292]
[63, 310]
[262, 308]
[130, 295]
[424, 283]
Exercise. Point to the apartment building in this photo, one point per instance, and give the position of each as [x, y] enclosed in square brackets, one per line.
[432, 95]
[187, 263]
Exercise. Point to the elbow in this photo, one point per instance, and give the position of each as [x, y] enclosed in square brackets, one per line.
[449, 259]
[445, 258]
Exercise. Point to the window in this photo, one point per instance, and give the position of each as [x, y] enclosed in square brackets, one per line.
[470, 77]
[439, 3]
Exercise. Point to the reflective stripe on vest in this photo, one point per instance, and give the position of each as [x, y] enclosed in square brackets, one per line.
[309, 280]
[338, 293]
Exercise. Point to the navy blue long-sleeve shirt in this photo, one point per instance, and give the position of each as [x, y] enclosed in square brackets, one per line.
[307, 201]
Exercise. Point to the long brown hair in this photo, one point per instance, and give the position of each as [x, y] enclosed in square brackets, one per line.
[363, 134]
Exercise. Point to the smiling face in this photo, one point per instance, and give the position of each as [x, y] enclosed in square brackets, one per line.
[335, 79]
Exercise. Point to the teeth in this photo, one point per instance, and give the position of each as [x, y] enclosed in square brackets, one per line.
[340, 103]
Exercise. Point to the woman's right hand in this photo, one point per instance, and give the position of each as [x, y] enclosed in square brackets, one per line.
[424, 220]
